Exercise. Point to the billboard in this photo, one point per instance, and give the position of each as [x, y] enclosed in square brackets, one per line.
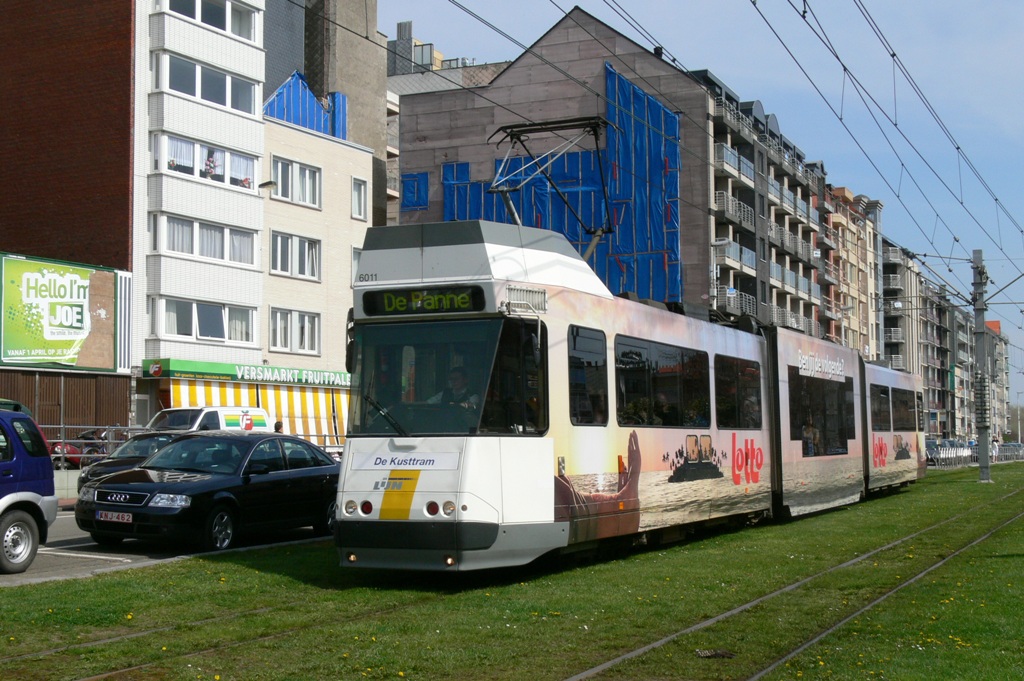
[57, 314]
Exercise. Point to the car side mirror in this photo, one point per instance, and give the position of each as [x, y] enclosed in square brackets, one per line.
[258, 469]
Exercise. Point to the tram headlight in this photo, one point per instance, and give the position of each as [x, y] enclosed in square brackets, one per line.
[448, 508]
[350, 507]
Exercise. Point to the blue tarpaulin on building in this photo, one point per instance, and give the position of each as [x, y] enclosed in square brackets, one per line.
[641, 163]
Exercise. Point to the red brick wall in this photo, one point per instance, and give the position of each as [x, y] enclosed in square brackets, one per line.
[66, 92]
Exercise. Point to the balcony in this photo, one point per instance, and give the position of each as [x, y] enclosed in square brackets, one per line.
[727, 161]
[895, 361]
[775, 273]
[829, 309]
[789, 201]
[732, 209]
[732, 301]
[747, 170]
[892, 281]
[732, 118]
[775, 233]
[774, 190]
[828, 239]
[892, 254]
[894, 308]
[894, 335]
[828, 273]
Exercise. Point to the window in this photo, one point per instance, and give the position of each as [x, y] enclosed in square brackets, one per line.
[588, 376]
[210, 85]
[208, 321]
[280, 324]
[296, 182]
[737, 392]
[308, 339]
[821, 414]
[295, 256]
[210, 241]
[282, 176]
[880, 416]
[292, 331]
[215, 164]
[309, 186]
[214, 13]
[661, 385]
[358, 199]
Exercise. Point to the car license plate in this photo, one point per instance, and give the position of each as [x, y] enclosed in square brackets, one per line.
[110, 516]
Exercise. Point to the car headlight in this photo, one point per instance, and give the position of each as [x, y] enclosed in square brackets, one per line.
[85, 472]
[87, 494]
[171, 500]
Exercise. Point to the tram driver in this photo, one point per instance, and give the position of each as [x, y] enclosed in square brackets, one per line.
[457, 392]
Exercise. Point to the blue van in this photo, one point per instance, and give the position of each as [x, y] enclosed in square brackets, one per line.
[28, 502]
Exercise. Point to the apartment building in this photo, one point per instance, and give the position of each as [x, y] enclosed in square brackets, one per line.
[732, 226]
[162, 157]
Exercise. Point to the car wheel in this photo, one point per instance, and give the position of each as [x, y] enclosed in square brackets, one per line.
[328, 519]
[106, 539]
[220, 529]
[20, 536]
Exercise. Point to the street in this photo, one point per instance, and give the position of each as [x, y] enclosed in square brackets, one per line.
[71, 553]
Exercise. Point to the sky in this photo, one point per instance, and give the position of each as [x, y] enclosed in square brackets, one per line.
[916, 103]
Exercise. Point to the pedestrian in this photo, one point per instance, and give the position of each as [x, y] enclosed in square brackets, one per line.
[278, 427]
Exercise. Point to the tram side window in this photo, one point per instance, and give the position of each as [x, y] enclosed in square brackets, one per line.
[661, 385]
[904, 417]
[737, 392]
[588, 377]
[821, 414]
[880, 418]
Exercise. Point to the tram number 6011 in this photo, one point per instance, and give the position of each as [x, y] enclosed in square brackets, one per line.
[366, 277]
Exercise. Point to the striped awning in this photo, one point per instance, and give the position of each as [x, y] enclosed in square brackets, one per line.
[315, 413]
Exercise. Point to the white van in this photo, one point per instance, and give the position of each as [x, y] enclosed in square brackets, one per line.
[212, 418]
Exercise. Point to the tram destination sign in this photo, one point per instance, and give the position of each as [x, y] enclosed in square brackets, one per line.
[414, 301]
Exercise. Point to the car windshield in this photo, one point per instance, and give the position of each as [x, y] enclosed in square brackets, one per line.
[216, 455]
[175, 419]
[140, 447]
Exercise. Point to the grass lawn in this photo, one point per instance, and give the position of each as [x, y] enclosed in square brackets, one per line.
[290, 612]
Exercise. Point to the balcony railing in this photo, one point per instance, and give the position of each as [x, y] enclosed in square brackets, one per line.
[895, 361]
[726, 155]
[892, 281]
[774, 190]
[894, 335]
[735, 302]
[747, 169]
[733, 206]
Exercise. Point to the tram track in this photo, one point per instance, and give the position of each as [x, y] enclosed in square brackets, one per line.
[131, 671]
[642, 650]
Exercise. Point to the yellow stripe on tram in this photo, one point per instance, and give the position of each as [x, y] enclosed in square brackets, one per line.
[397, 501]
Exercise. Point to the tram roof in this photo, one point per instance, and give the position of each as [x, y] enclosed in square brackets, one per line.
[476, 250]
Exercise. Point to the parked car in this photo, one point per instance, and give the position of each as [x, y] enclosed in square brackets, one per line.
[28, 504]
[210, 486]
[14, 405]
[128, 454]
[211, 418]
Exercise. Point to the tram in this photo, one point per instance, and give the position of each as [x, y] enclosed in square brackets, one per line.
[505, 405]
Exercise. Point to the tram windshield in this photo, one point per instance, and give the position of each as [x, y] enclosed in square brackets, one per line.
[449, 378]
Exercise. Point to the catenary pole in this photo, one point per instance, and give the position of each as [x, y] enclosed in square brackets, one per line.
[982, 408]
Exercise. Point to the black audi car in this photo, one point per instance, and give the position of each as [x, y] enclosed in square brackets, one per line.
[210, 486]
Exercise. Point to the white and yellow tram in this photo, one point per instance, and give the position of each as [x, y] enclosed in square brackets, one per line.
[506, 405]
